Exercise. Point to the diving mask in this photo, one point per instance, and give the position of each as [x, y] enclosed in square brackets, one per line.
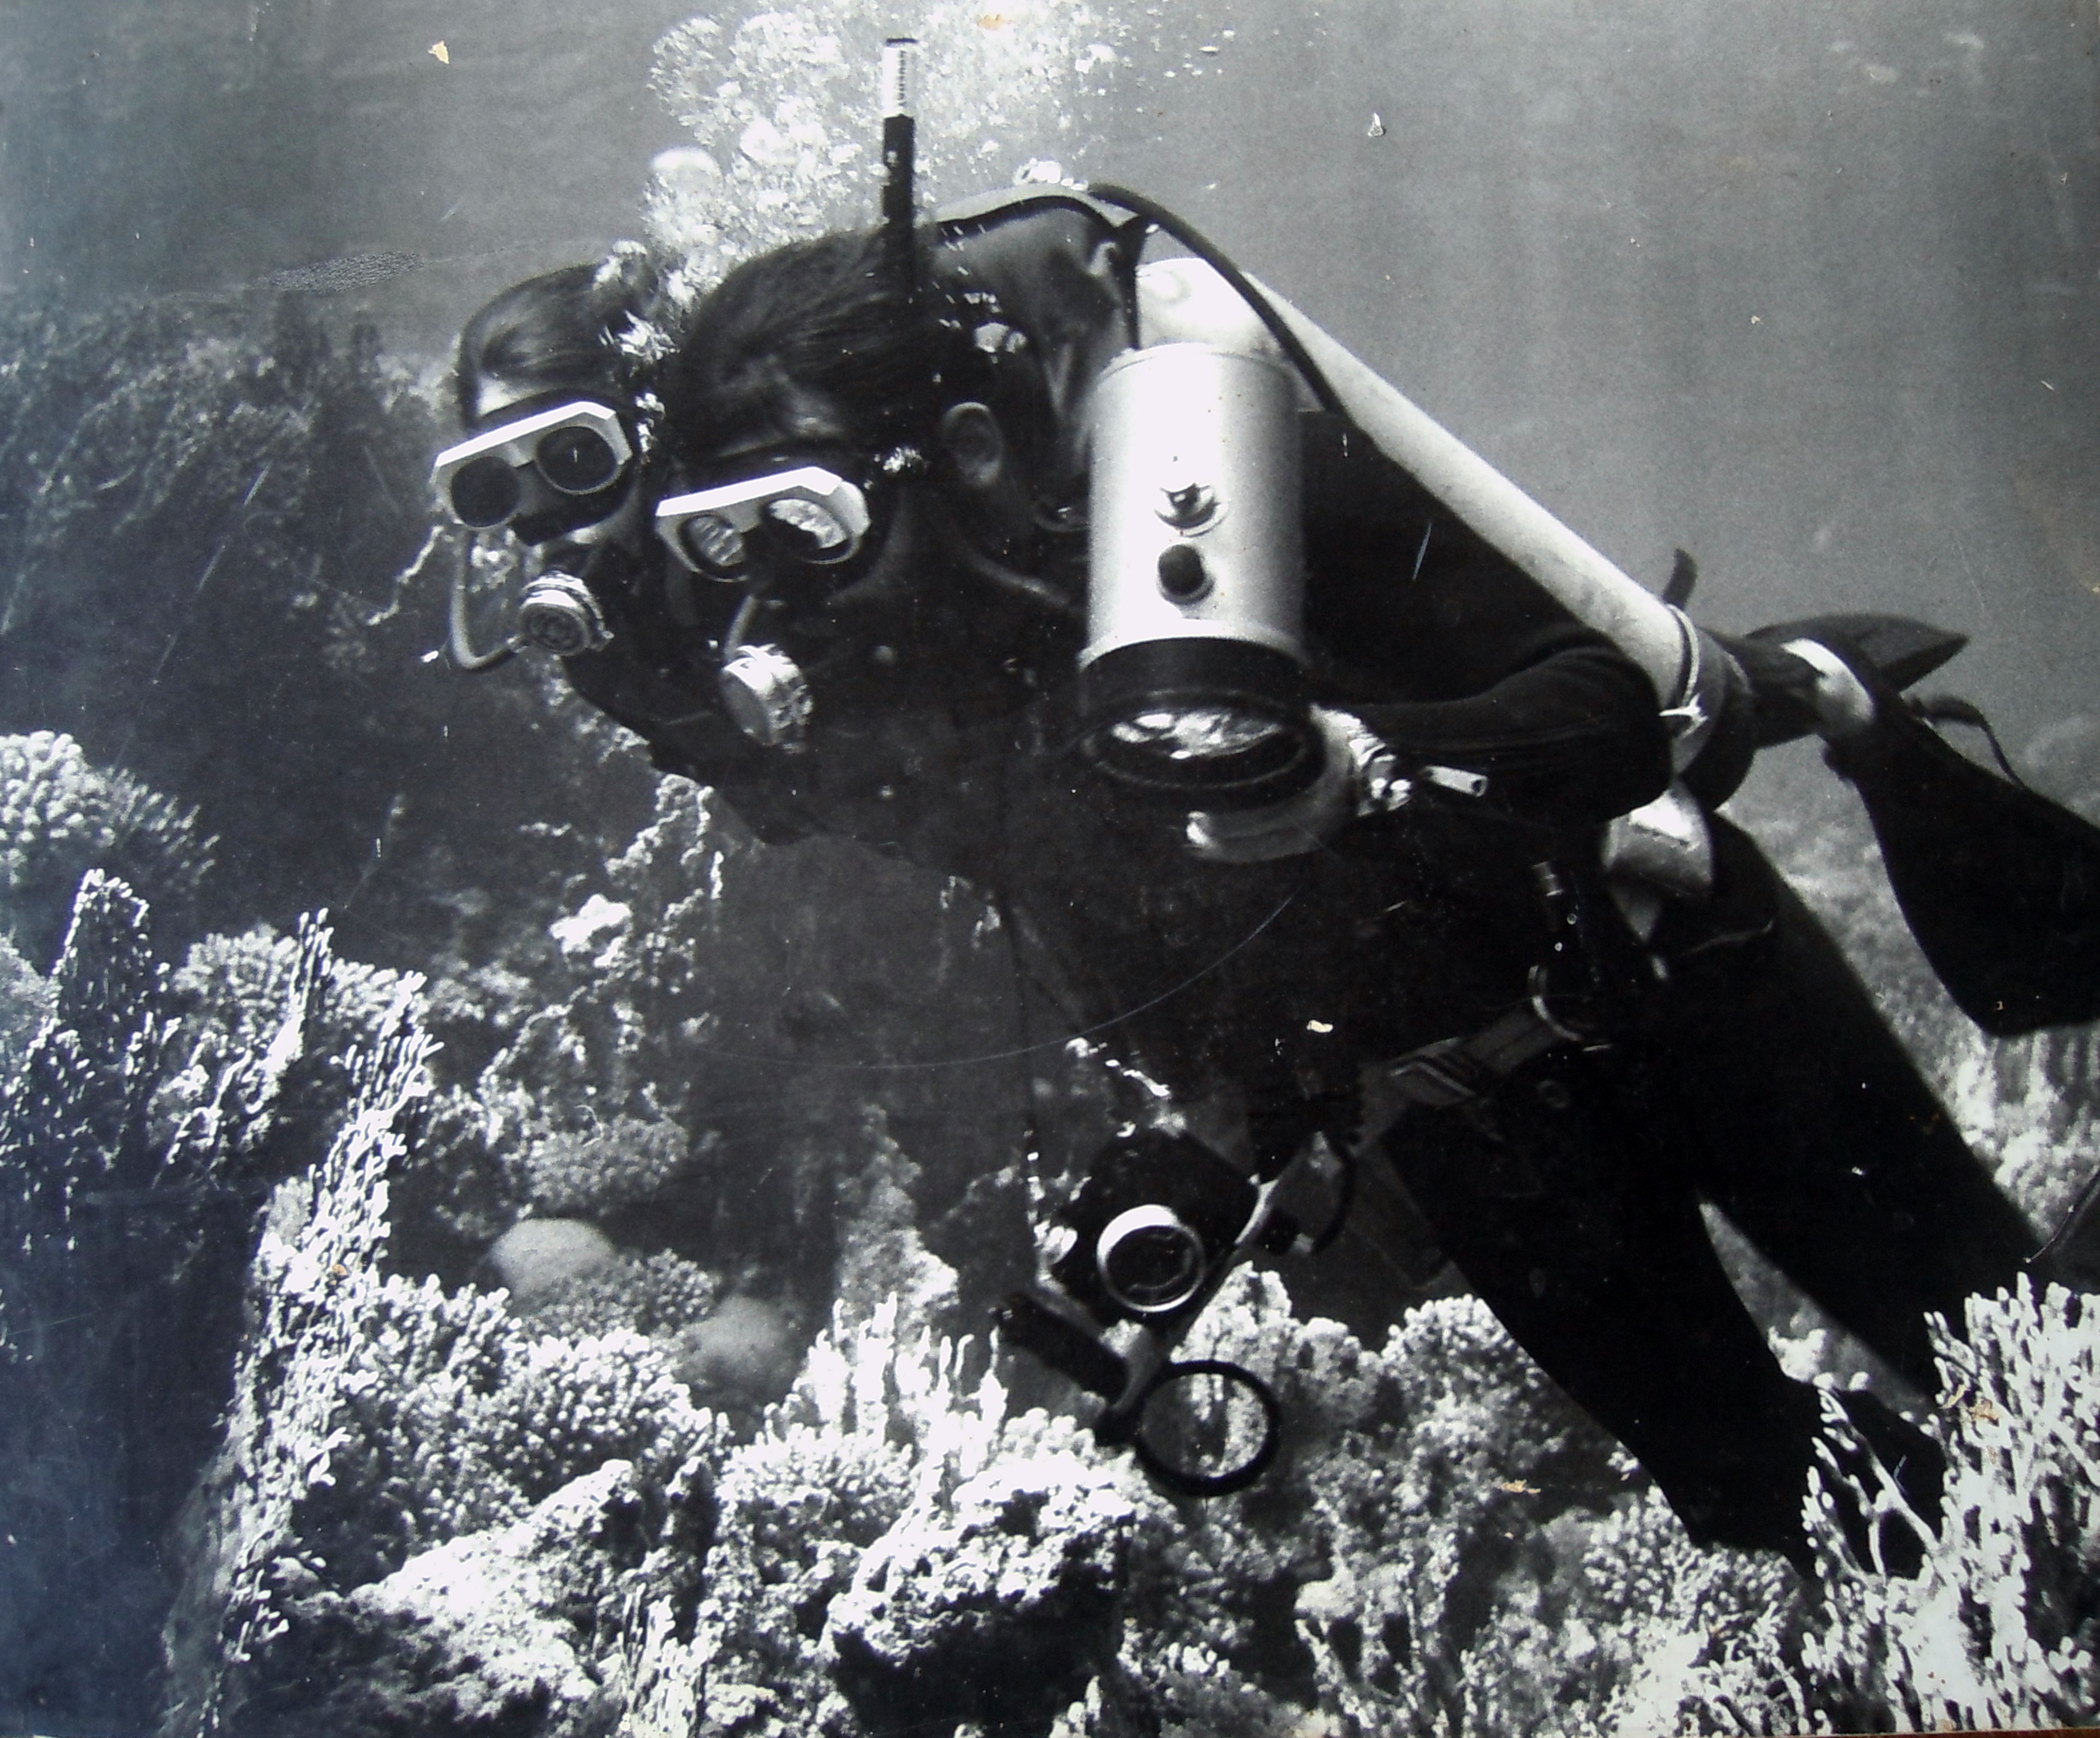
[810, 514]
[572, 451]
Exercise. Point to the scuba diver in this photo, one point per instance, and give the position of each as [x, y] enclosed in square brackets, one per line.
[1358, 862]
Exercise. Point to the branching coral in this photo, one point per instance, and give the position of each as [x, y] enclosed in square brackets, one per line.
[657, 1295]
[61, 816]
[2001, 1627]
[126, 1232]
[26, 1001]
[1000, 1596]
[248, 1098]
[627, 1163]
[374, 1418]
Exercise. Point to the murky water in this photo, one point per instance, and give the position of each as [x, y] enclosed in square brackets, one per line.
[1810, 290]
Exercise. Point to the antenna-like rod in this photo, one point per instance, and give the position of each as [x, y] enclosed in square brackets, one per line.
[898, 204]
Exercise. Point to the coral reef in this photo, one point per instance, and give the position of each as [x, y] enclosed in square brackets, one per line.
[132, 1152]
[434, 1513]
[1445, 1545]
[61, 816]
[220, 575]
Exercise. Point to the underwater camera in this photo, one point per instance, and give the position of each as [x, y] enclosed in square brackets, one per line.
[1192, 681]
[1130, 1263]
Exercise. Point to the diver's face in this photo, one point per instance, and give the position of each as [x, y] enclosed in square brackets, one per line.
[792, 508]
[568, 475]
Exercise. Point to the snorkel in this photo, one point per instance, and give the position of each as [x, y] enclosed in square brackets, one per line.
[899, 166]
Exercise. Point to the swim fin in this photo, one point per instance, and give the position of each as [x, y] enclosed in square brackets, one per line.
[1900, 650]
[2000, 885]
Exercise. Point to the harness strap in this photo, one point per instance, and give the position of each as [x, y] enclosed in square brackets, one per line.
[1457, 1071]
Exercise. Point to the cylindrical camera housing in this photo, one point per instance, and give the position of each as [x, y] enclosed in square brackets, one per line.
[1192, 682]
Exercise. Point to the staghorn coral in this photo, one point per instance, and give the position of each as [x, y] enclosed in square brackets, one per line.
[1638, 1629]
[883, 1421]
[61, 816]
[1357, 1577]
[897, 1546]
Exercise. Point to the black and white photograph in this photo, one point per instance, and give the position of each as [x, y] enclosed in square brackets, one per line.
[1049, 869]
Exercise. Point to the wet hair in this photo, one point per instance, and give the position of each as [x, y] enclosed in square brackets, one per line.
[1016, 314]
[557, 332]
[823, 316]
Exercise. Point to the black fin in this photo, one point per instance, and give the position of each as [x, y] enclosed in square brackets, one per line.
[1903, 650]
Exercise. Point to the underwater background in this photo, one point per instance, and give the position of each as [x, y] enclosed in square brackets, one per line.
[547, 1295]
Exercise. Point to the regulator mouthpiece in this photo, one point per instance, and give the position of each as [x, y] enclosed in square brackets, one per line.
[558, 613]
[767, 696]
[1192, 683]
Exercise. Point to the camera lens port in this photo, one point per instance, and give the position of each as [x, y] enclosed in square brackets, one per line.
[1150, 1261]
